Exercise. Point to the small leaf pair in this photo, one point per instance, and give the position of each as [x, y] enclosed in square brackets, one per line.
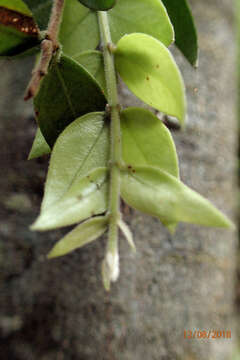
[77, 182]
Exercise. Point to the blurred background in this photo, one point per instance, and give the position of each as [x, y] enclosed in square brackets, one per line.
[58, 310]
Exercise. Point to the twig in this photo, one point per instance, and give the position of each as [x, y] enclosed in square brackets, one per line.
[49, 46]
[40, 70]
[54, 23]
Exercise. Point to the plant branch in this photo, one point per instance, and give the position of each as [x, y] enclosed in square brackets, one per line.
[49, 46]
[55, 22]
[111, 267]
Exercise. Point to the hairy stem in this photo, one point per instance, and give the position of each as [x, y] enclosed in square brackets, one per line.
[55, 22]
[48, 47]
[115, 152]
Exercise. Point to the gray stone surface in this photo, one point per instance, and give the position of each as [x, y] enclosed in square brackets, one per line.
[58, 310]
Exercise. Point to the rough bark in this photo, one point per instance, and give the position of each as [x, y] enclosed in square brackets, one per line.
[58, 309]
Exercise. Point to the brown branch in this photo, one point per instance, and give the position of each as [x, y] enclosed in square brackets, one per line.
[48, 48]
[40, 70]
[55, 22]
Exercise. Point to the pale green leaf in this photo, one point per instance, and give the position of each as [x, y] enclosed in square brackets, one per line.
[92, 61]
[82, 147]
[39, 146]
[155, 192]
[142, 16]
[83, 234]
[86, 197]
[149, 70]
[79, 29]
[147, 141]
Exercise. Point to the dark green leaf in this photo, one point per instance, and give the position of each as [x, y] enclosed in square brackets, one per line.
[83, 234]
[41, 10]
[39, 147]
[141, 16]
[67, 92]
[155, 192]
[150, 72]
[16, 5]
[185, 30]
[18, 32]
[98, 4]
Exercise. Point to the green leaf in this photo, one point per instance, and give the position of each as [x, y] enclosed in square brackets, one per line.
[82, 147]
[150, 72]
[67, 92]
[142, 16]
[155, 192]
[85, 197]
[41, 10]
[147, 141]
[79, 29]
[16, 5]
[39, 147]
[98, 4]
[83, 234]
[185, 30]
[18, 32]
[93, 62]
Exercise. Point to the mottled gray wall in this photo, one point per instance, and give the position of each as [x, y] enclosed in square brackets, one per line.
[55, 310]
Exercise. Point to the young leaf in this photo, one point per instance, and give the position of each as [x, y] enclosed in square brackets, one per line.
[82, 147]
[41, 10]
[39, 146]
[185, 30]
[155, 192]
[99, 5]
[83, 234]
[127, 233]
[149, 70]
[85, 197]
[147, 141]
[93, 62]
[142, 16]
[66, 92]
[18, 32]
[79, 30]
